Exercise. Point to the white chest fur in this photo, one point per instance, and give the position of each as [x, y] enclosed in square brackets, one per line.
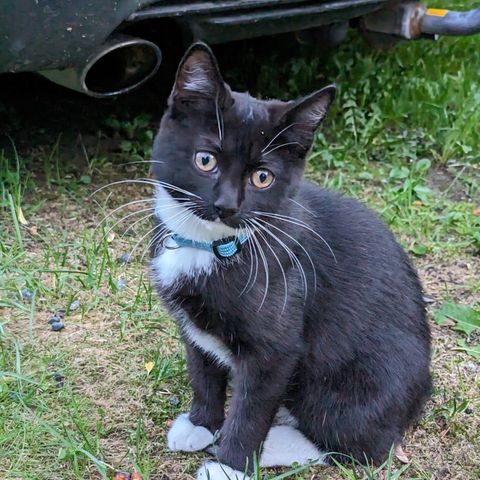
[171, 265]
[206, 342]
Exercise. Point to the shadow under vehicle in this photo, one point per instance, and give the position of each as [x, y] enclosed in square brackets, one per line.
[105, 48]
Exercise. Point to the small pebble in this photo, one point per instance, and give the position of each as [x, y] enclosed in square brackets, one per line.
[174, 401]
[74, 305]
[469, 410]
[54, 319]
[60, 313]
[57, 326]
[121, 283]
[470, 366]
[428, 299]
[26, 294]
[59, 379]
[212, 450]
[125, 259]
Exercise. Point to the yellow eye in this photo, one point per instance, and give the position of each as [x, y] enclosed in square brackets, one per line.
[205, 161]
[262, 178]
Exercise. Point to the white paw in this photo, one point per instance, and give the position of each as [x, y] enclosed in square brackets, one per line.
[219, 471]
[186, 437]
[286, 445]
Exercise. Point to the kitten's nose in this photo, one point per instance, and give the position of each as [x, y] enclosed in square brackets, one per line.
[225, 210]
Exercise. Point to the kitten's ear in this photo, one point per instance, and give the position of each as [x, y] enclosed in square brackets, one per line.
[198, 76]
[305, 115]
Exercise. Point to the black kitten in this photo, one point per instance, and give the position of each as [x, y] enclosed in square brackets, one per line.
[301, 296]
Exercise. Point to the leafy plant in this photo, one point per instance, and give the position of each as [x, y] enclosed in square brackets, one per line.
[465, 319]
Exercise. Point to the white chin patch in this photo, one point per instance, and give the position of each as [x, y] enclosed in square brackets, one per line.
[184, 436]
[172, 265]
[285, 445]
[219, 471]
[180, 220]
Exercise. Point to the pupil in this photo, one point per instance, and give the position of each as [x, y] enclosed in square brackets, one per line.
[205, 161]
[263, 177]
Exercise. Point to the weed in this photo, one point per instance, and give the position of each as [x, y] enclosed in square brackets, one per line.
[402, 138]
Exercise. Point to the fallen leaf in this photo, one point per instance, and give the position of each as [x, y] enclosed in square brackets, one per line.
[473, 350]
[466, 319]
[448, 323]
[110, 237]
[136, 476]
[122, 476]
[476, 212]
[33, 230]
[21, 217]
[149, 366]
[417, 203]
[401, 455]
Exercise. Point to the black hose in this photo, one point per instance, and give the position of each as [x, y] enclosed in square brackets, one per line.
[451, 23]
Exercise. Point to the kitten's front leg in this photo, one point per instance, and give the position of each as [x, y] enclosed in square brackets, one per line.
[258, 386]
[209, 383]
[194, 431]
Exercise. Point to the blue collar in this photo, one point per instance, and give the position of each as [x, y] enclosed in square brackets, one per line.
[223, 248]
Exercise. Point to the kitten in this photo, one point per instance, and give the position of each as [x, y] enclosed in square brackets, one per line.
[300, 296]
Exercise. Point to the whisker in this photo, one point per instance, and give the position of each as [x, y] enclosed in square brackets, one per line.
[218, 113]
[143, 210]
[139, 161]
[278, 134]
[279, 264]
[301, 206]
[299, 223]
[152, 230]
[295, 261]
[314, 271]
[298, 243]
[131, 215]
[280, 146]
[254, 256]
[161, 235]
[249, 232]
[119, 182]
[131, 227]
[164, 232]
[125, 205]
[266, 269]
[145, 181]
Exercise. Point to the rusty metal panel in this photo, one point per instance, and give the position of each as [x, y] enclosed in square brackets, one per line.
[43, 34]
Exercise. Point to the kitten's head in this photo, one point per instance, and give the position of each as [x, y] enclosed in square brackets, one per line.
[235, 154]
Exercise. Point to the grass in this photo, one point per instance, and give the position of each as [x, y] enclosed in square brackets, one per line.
[98, 396]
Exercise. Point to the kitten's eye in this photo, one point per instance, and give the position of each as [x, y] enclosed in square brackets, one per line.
[205, 161]
[262, 178]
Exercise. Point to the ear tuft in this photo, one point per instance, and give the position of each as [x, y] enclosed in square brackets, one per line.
[312, 109]
[305, 115]
[323, 99]
[198, 73]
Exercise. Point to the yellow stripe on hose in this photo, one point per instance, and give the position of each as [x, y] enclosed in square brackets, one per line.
[437, 12]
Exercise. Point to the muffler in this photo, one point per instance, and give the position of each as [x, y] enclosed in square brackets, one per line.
[118, 66]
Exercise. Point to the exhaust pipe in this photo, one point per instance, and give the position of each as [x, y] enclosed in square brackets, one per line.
[118, 66]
